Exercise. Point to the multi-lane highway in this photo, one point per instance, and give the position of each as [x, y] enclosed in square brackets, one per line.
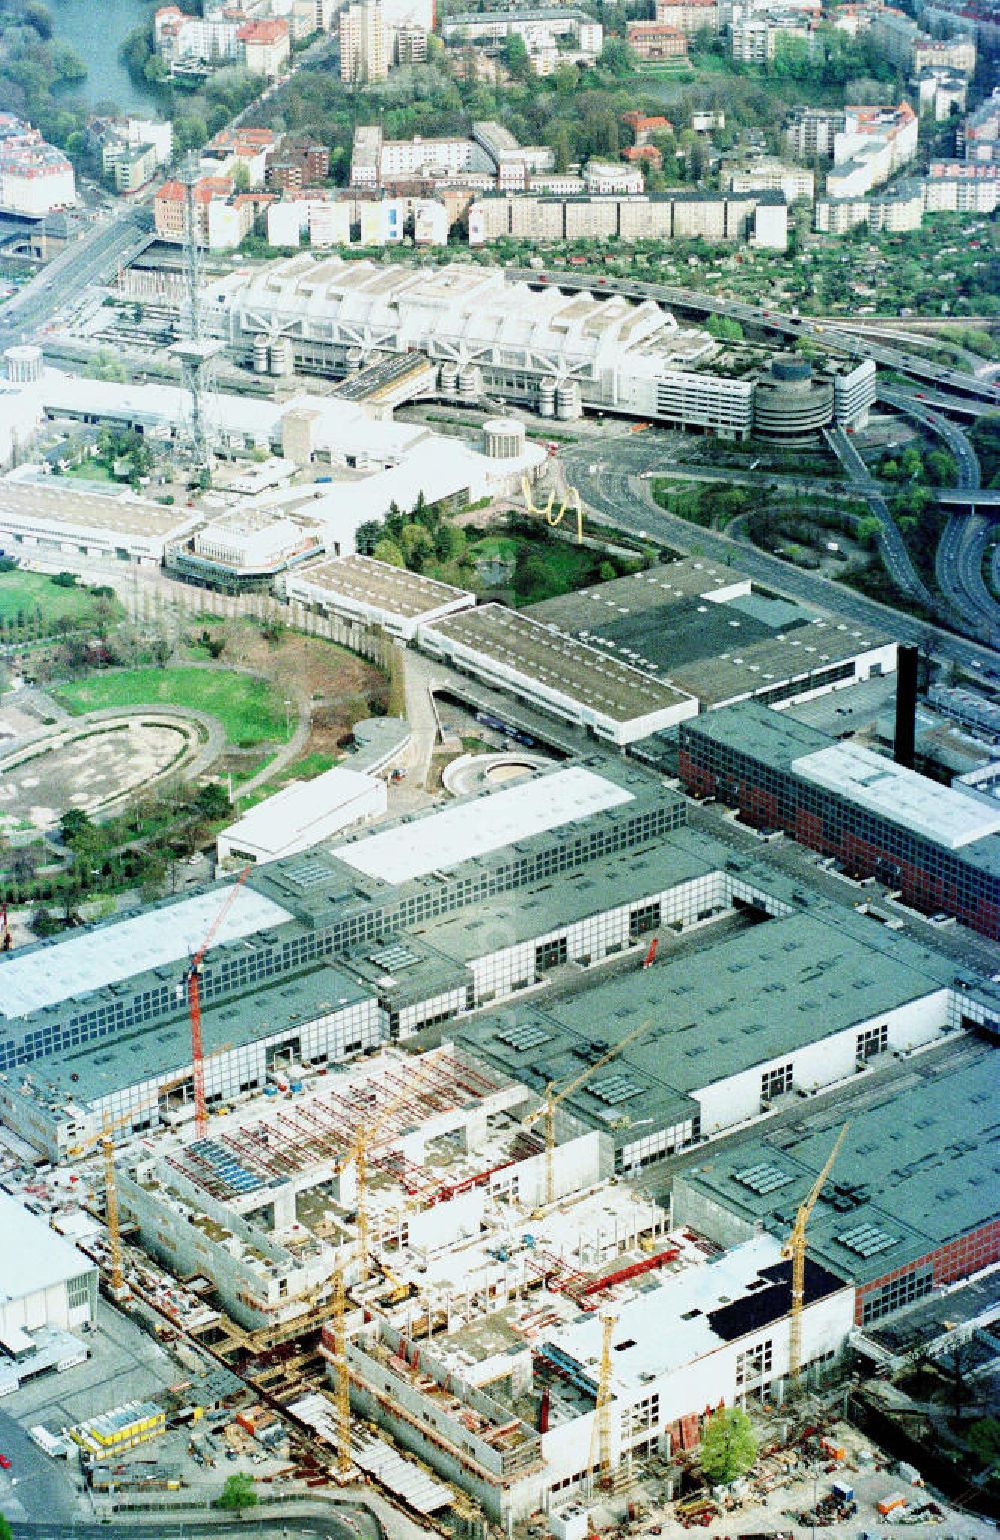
[892, 547]
[109, 243]
[959, 563]
[962, 548]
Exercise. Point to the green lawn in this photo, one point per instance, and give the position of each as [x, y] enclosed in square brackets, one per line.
[250, 709]
[90, 470]
[25, 593]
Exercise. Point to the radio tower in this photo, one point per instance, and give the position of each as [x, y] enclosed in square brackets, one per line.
[195, 351]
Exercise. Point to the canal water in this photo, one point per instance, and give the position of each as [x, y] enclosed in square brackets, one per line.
[96, 29]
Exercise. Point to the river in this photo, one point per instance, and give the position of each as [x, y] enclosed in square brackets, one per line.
[96, 29]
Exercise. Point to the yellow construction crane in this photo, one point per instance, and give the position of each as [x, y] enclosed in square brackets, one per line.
[604, 1398]
[795, 1250]
[553, 1097]
[106, 1141]
[111, 1212]
[341, 1376]
[367, 1135]
[600, 1437]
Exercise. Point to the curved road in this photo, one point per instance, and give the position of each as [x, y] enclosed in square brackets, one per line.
[891, 545]
[615, 495]
[960, 552]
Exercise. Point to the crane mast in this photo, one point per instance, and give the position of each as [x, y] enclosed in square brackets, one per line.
[194, 1008]
[553, 1097]
[342, 1381]
[795, 1250]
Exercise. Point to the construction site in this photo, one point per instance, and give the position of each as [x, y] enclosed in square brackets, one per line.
[402, 1152]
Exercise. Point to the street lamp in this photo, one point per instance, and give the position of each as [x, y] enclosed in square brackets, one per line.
[288, 725]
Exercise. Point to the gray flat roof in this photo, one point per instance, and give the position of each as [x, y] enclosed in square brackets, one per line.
[559, 662]
[738, 1001]
[922, 1162]
[678, 857]
[778, 740]
[695, 624]
[98, 1069]
[89, 510]
[774, 738]
[376, 583]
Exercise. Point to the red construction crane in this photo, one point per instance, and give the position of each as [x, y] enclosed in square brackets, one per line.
[194, 1007]
[650, 956]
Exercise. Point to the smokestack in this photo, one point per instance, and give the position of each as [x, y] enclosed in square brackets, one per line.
[906, 706]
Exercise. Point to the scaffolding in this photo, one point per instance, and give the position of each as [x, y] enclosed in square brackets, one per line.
[324, 1129]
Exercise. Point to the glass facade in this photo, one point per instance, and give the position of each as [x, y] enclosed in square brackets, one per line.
[930, 876]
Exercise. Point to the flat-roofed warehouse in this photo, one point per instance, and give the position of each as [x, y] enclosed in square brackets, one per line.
[552, 352]
[708, 631]
[123, 981]
[939, 845]
[912, 1204]
[61, 518]
[366, 592]
[743, 1024]
[552, 670]
[44, 1280]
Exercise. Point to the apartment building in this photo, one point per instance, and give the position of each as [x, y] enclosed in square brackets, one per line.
[540, 28]
[656, 41]
[906, 45]
[810, 132]
[181, 38]
[689, 16]
[754, 39]
[264, 47]
[941, 92]
[873, 145]
[979, 135]
[603, 177]
[768, 175]
[35, 177]
[758, 217]
[364, 43]
[300, 163]
[169, 207]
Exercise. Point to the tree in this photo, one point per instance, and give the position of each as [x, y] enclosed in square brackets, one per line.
[449, 543]
[516, 57]
[6, 1533]
[617, 57]
[212, 800]
[416, 544]
[44, 923]
[388, 551]
[238, 1493]
[984, 1441]
[561, 149]
[367, 535]
[728, 1446]
[73, 824]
